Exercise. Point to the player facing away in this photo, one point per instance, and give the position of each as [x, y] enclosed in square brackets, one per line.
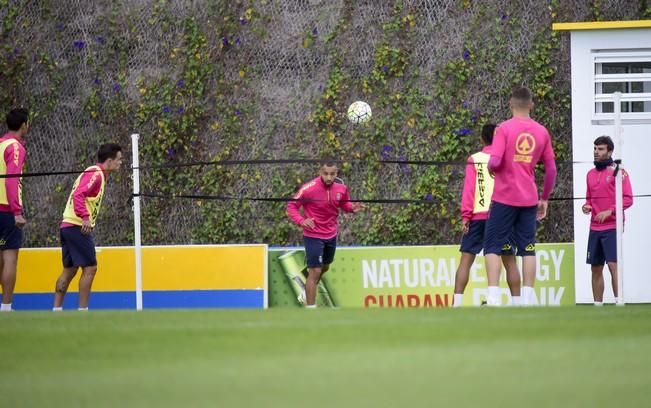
[12, 221]
[600, 203]
[475, 202]
[79, 217]
[518, 145]
[321, 199]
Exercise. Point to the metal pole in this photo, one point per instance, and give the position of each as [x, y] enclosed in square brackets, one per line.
[619, 199]
[136, 219]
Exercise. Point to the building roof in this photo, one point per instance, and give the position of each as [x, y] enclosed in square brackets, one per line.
[601, 25]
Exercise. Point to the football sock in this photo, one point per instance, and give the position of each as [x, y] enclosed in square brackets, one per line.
[527, 295]
[493, 296]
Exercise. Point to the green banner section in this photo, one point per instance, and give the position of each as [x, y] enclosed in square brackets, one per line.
[410, 276]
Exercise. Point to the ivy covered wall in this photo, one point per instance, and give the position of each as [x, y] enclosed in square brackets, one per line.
[216, 80]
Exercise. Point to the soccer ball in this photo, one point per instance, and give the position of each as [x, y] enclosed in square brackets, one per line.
[359, 112]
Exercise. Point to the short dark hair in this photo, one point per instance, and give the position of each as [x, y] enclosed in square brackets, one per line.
[16, 118]
[521, 96]
[487, 133]
[605, 140]
[108, 151]
[328, 162]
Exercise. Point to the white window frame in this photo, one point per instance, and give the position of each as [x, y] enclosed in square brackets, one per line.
[620, 56]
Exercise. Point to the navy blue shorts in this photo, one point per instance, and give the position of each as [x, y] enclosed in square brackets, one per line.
[319, 252]
[77, 249]
[507, 224]
[473, 241]
[11, 237]
[602, 247]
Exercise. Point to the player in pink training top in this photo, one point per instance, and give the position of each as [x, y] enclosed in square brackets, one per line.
[321, 199]
[475, 202]
[518, 145]
[12, 221]
[79, 218]
[600, 203]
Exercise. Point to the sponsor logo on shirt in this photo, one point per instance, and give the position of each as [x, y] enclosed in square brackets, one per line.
[524, 146]
[16, 153]
[480, 184]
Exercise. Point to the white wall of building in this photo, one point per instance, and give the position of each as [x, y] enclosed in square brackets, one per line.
[636, 158]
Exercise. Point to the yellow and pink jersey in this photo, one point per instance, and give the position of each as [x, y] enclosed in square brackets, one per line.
[12, 154]
[85, 198]
[477, 187]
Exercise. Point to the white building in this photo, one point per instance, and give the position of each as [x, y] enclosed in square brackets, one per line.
[607, 57]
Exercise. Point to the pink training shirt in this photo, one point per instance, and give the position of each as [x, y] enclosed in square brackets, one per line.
[518, 145]
[321, 203]
[83, 190]
[600, 195]
[14, 158]
[470, 210]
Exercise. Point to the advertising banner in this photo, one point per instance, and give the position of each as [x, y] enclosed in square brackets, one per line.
[410, 276]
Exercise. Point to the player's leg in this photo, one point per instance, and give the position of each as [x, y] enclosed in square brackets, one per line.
[608, 240]
[61, 287]
[314, 259]
[462, 276]
[85, 284]
[524, 236]
[499, 227]
[597, 284]
[612, 267]
[12, 241]
[10, 263]
[512, 277]
[78, 251]
[596, 259]
[472, 243]
[329, 249]
[2, 266]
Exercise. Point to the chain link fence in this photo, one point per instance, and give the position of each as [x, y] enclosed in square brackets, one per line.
[72, 52]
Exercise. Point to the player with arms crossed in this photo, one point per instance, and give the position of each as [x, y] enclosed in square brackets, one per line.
[475, 202]
[600, 203]
[518, 145]
[321, 199]
[79, 217]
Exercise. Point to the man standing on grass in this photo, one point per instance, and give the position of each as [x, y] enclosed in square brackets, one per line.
[518, 145]
[321, 199]
[12, 157]
[600, 203]
[475, 202]
[79, 217]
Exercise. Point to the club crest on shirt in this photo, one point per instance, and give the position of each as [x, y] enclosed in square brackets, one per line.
[525, 144]
[338, 196]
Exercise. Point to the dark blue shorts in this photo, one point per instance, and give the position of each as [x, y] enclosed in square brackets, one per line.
[319, 252]
[11, 237]
[507, 224]
[473, 241]
[77, 249]
[602, 247]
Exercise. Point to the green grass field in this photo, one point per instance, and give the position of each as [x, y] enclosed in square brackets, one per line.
[568, 357]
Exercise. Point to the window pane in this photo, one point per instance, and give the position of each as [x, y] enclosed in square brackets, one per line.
[609, 107]
[625, 67]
